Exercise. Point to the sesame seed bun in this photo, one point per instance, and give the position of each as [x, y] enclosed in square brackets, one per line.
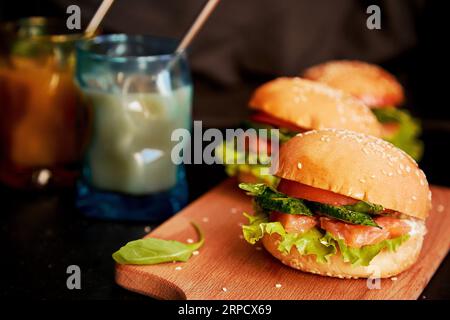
[311, 105]
[373, 85]
[385, 264]
[358, 166]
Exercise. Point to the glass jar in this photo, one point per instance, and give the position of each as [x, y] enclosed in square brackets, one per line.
[41, 132]
[135, 99]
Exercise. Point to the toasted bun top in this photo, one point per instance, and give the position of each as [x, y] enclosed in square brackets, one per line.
[311, 105]
[358, 166]
[373, 85]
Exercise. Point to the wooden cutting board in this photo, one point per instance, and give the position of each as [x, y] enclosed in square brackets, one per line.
[227, 267]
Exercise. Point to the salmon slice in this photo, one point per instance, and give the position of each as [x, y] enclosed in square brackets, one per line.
[294, 223]
[357, 236]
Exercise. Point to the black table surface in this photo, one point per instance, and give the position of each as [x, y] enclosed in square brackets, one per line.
[43, 233]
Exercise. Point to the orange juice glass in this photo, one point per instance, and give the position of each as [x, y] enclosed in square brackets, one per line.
[41, 123]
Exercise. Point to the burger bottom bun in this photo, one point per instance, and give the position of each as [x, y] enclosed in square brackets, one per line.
[385, 264]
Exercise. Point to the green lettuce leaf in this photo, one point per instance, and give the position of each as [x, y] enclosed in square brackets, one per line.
[307, 243]
[153, 250]
[314, 241]
[362, 256]
[409, 129]
[236, 161]
[270, 199]
[254, 169]
[284, 134]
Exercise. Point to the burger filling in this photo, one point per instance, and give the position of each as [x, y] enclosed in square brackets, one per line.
[322, 223]
[401, 129]
[259, 120]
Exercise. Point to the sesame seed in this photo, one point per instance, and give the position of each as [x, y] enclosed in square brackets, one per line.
[240, 224]
[258, 248]
[358, 195]
[224, 289]
[299, 165]
[440, 208]
[394, 278]
[205, 219]
[195, 253]
[362, 180]
[147, 229]
[408, 169]
[241, 236]
[190, 240]
[233, 210]
[178, 268]
[373, 176]
[390, 174]
[278, 286]
[414, 198]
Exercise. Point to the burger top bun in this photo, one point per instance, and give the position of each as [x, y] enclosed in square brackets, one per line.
[312, 105]
[373, 85]
[358, 166]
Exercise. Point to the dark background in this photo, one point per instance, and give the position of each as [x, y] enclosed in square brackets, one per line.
[245, 43]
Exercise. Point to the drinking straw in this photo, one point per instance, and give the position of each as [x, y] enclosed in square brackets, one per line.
[98, 17]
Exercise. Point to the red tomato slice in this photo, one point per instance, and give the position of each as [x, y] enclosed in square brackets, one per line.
[263, 117]
[299, 190]
[389, 129]
[357, 236]
[294, 223]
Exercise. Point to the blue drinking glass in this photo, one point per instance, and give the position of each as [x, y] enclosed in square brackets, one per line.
[135, 99]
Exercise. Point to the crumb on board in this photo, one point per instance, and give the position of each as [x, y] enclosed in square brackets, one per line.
[147, 229]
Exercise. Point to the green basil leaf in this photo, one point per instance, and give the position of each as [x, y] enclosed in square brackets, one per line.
[271, 200]
[365, 207]
[154, 251]
[343, 214]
